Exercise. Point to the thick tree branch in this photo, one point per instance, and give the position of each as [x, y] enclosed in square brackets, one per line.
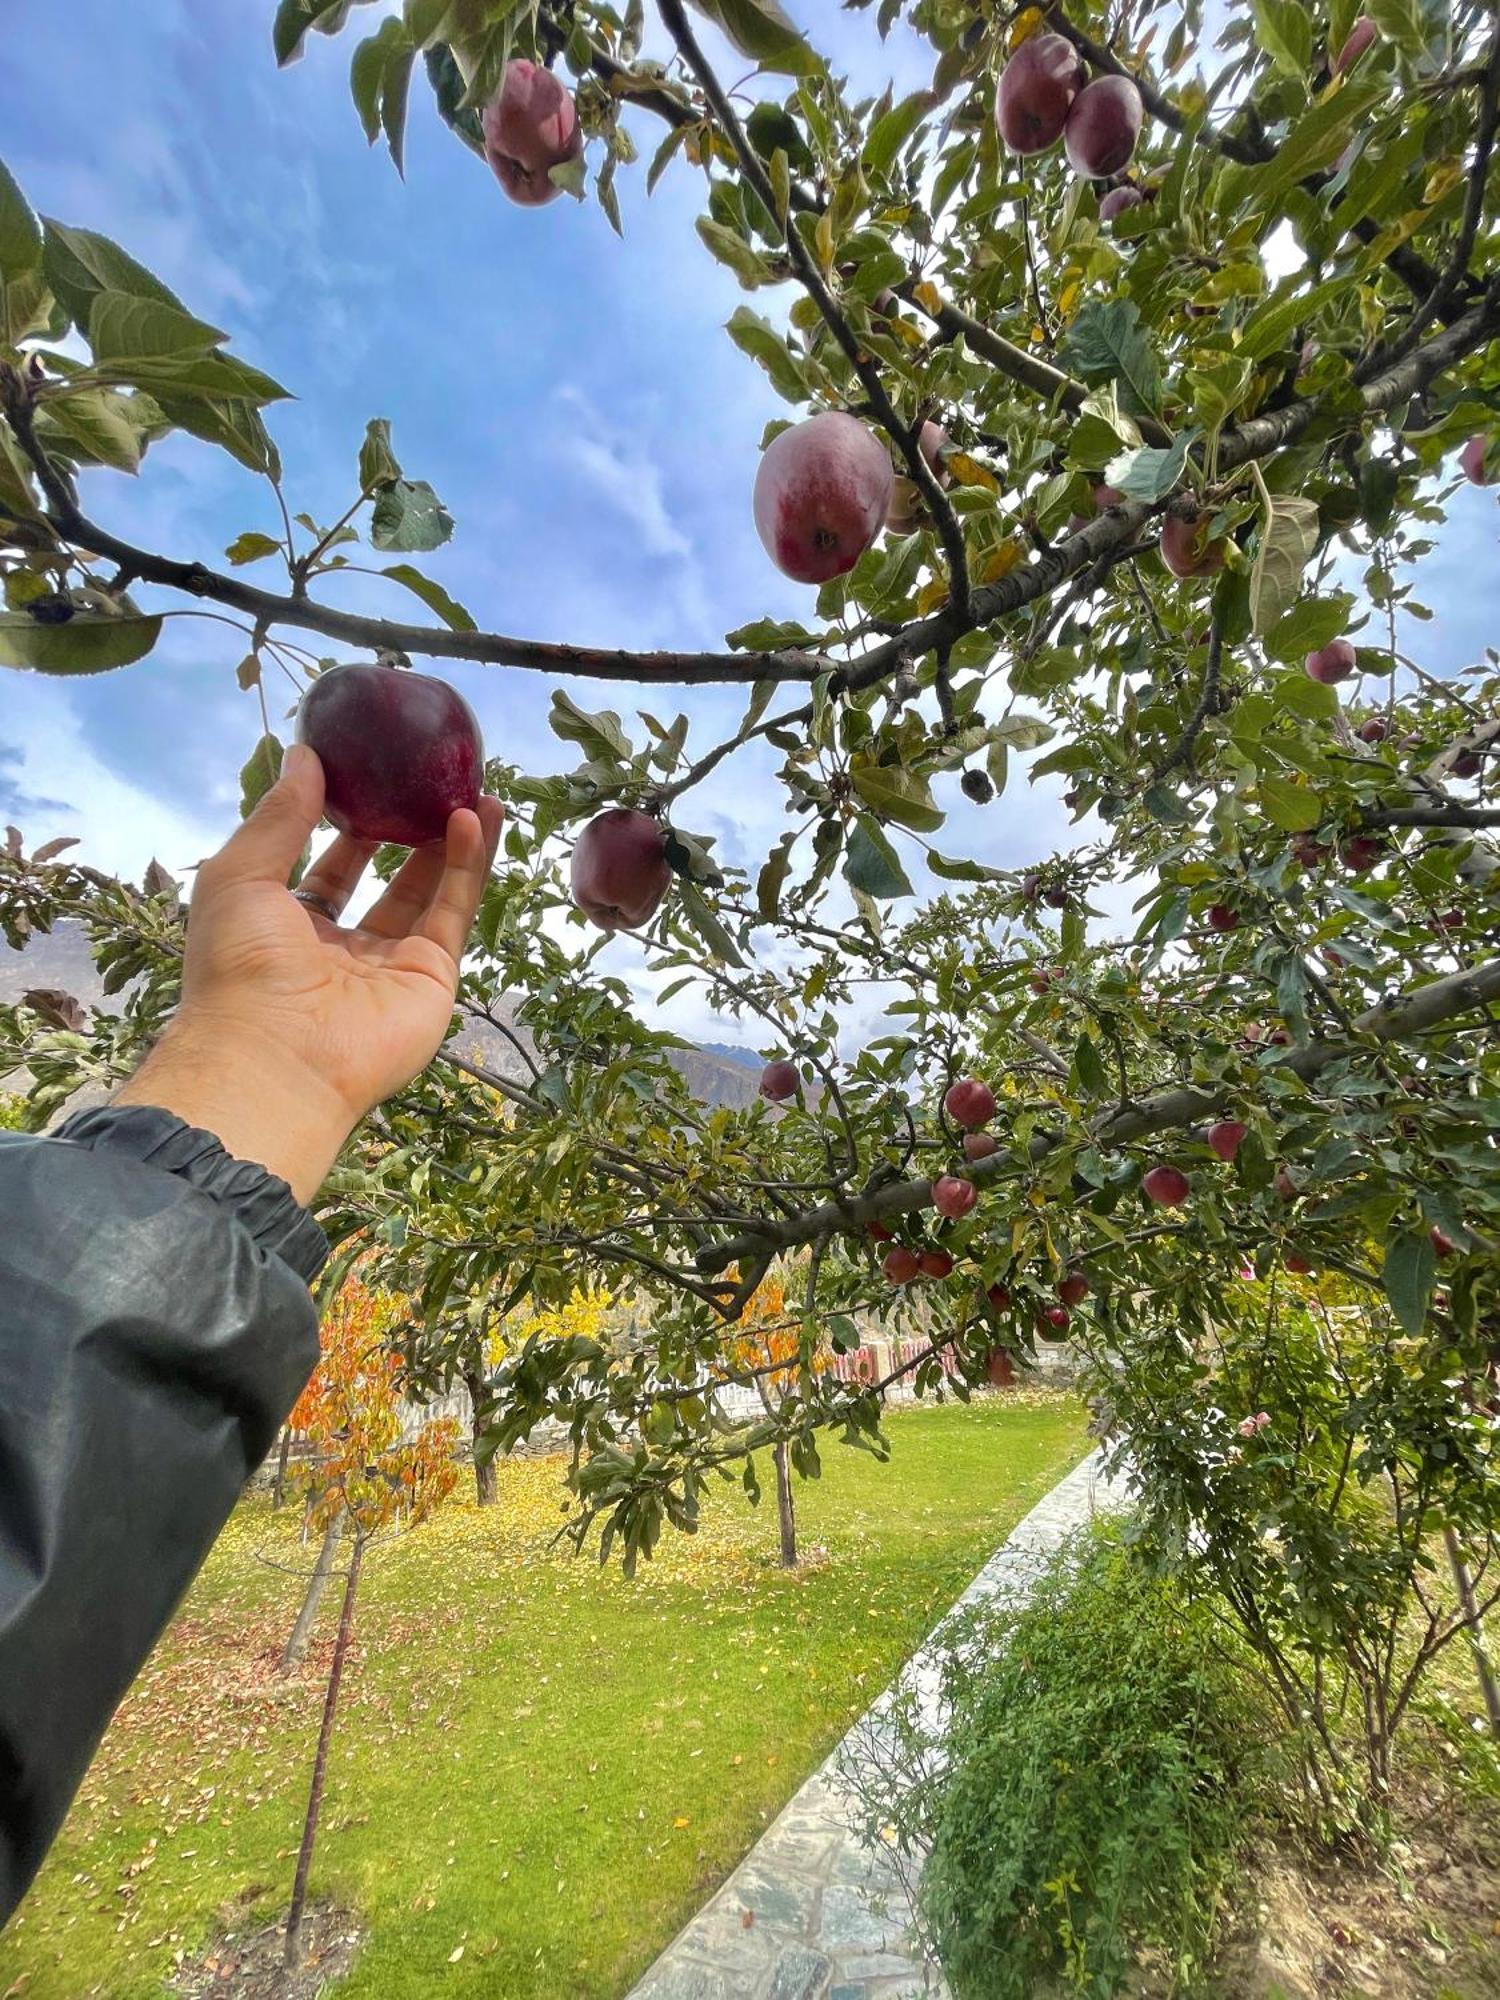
[1165, 1110]
[1475, 817]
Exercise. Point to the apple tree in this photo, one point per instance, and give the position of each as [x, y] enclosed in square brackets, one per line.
[1129, 371]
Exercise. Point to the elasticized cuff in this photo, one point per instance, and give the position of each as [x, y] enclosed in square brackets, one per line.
[264, 1204]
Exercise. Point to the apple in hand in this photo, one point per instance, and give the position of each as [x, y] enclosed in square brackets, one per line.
[1226, 1137]
[530, 124]
[400, 751]
[1036, 90]
[953, 1197]
[620, 871]
[822, 492]
[1103, 125]
[969, 1102]
[1332, 663]
[1168, 1187]
[779, 1080]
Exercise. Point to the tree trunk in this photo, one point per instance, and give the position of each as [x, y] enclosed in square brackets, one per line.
[786, 1508]
[484, 1469]
[317, 1583]
[320, 1762]
[1483, 1666]
[278, 1491]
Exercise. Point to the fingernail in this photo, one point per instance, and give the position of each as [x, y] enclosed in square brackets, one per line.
[298, 759]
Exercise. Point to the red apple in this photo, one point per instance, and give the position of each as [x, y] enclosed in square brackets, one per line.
[1223, 917]
[1053, 1322]
[969, 1102]
[1442, 1242]
[1450, 920]
[1471, 458]
[1227, 1137]
[1186, 548]
[878, 1232]
[953, 1197]
[620, 871]
[1285, 1186]
[1074, 1289]
[1103, 125]
[530, 124]
[1332, 663]
[1374, 730]
[1057, 898]
[979, 1145]
[1036, 88]
[1045, 977]
[935, 1264]
[907, 509]
[1360, 853]
[1298, 1266]
[1361, 35]
[822, 490]
[1309, 852]
[1166, 1186]
[779, 1080]
[1031, 888]
[1108, 496]
[999, 1299]
[1118, 201]
[1467, 764]
[400, 752]
[901, 1265]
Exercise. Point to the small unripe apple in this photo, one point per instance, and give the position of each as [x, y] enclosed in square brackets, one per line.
[779, 1080]
[1186, 547]
[400, 752]
[1285, 1186]
[953, 1197]
[907, 509]
[1036, 89]
[1118, 201]
[1332, 663]
[530, 125]
[999, 1298]
[822, 490]
[1360, 853]
[1298, 1266]
[620, 871]
[1057, 897]
[969, 1103]
[1442, 1242]
[1471, 458]
[1226, 1137]
[1102, 127]
[1074, 1289]
[1053, 1322]
[1374, 729]
[1223, 917]
[1360, 37]
[1168, 1187]
[901, 1265]
[935, 1264]
[1044, 978]
[979, 1145]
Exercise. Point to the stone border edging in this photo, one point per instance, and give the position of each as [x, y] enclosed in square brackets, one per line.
[811, 1913]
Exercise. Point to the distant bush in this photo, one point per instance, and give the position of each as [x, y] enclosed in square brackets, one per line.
[10, 1112]
[1101, 1772]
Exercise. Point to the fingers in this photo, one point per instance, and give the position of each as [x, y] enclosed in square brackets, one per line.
[472, 840]
[407, 894]
[266, 846]
[334, 876]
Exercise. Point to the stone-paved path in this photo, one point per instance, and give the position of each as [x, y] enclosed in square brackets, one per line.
[811, 1913]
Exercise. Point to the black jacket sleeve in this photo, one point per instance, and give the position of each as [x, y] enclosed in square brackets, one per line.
[155, 1329]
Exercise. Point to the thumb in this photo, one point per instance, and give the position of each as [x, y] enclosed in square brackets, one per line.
[266, 848]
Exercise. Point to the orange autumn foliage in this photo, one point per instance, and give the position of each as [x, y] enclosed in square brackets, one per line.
[763, 1338]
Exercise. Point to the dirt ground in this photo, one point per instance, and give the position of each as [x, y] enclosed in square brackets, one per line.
[248, 1966]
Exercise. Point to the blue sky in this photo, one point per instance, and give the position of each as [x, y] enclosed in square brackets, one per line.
[572, 397]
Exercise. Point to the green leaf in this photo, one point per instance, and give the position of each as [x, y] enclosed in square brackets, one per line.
[1288, 536]
[1107, 342]
[232, 425]
[102, 424]
[1022, 732]
[762, 30]
[1311, 623]
[747, 265]
[293, 20]
[897, 794]
[409, 518]
[80, 264]
[261, 770]
[1290, 806]
[1410, 1267]
[1283, 29]
[772, 878]
[1304, 696]
[1154, 471]
[700, 916]
[395, 82]
[599, 733]
[89, 643]
[433, 596]
[871, 864]
[1088, 1067]
[760, 340]
[20, 232]
[891, 131]
[953, 870]
[123, 327]
[1270, 326]
[377, 461]
[26, 307]
[367, 73]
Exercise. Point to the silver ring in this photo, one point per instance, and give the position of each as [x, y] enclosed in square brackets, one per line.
[316, 902]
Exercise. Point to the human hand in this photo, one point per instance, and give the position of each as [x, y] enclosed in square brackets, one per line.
[291, 1027]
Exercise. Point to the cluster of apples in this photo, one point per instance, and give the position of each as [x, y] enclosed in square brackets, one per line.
[1044, 94]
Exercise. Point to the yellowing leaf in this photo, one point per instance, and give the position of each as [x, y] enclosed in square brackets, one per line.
[1024, 25]
[1445, 175]
[1067, 298]
[904, 330]
[1001, 561]
[933, 593]
[928, 297]
[969, 472]
[681, 1821]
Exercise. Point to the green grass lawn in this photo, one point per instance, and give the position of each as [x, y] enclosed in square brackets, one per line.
[536, 1761]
